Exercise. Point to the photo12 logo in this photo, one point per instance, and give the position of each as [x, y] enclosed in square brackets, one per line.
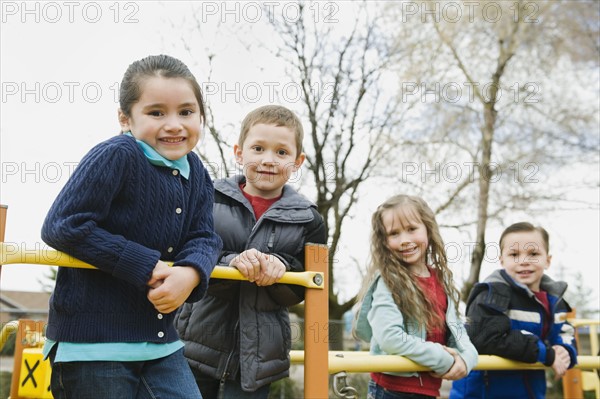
[454, 172]
[56, 92]
[254, 11]
[37, 172]
[254, 92]
[469, 92]
[470, 11]
[53, 12]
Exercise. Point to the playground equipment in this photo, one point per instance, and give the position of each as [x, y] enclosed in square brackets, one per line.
[31, 375]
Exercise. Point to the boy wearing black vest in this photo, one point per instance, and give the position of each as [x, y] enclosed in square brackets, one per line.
[238, 337]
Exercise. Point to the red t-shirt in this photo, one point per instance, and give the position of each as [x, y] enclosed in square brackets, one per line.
[425, 383]
[259, 204]
[542, 296]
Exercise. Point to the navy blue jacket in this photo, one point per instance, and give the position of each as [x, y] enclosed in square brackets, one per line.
[122, 214]
[505, 319]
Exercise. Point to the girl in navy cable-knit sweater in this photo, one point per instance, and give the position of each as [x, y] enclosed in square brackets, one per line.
[133, 200]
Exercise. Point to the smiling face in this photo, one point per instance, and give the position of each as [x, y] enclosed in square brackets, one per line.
[406, 236]
[166, 117]
[525, 258]
[269, 157]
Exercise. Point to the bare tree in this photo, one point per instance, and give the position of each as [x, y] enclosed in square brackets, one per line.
[353, 121]
[342, 63]
[487, 116]
[506, 132]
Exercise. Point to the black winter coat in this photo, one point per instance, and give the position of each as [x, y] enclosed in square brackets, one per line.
[239, 328]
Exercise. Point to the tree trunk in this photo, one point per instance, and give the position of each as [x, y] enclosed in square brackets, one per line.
[485, 175]
[336, 326]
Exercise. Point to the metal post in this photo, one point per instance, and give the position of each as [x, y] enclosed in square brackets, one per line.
[316, 327]
[3, 209]
[572, 387]
[26, 332]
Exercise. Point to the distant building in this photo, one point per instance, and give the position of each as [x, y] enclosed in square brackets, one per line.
[16, 305]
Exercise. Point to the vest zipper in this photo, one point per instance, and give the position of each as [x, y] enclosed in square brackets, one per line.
[226, 372]
[486, 380]
[271, 241]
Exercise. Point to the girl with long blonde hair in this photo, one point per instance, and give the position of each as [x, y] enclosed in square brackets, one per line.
[409, 302]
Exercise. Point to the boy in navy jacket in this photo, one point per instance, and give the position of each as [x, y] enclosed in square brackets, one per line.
[519, 313]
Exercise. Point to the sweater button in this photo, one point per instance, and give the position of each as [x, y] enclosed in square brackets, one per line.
[175, 172]
[178, 211]
[161, 334]
[170, 249]
[159, 316]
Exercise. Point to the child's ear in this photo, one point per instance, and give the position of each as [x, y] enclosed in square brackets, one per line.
[237, 153]
[123, 121]
[299, 160]
[549, 259]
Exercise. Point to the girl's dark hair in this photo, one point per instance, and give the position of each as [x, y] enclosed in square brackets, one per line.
[525, 227]
[154, 65]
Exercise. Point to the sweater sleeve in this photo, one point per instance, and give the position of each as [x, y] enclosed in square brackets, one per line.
[290, 294]
[73, 223]
[490, 329]
[202, 245]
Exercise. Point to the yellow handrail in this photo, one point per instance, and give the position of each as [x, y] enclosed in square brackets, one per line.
[333, 361]
[316, 257]
[356, 362]
[583, 322]
[14, 254]
[7, 329]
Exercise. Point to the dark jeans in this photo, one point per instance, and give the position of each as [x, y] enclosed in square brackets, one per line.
[379, 392]
[231, 389]
[165, 378]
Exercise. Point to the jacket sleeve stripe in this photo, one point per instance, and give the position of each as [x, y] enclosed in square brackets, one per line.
[522, 315]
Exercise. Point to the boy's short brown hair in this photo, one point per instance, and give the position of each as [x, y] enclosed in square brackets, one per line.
[273, 115]
[527, 227]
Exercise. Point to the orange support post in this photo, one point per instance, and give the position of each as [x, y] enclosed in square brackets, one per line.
[572, 386]
[3, 209]
[316, 326]
[28, 334]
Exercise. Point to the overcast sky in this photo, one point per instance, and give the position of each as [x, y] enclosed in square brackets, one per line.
[60, 67]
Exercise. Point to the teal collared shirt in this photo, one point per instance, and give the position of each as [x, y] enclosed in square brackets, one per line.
[110, 351]
[182, 164]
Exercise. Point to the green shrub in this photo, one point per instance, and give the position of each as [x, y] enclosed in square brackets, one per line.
[285, 388]
[5, 378]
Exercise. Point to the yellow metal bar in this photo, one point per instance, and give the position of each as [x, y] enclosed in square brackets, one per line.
[583, 322]
[316, 326]
[594, 340]
[13, 254]
[356, 362]
[8, 329]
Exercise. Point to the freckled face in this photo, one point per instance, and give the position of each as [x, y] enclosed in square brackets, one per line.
[166, 117]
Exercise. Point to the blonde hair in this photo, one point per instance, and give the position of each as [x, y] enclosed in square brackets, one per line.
[273, 115]
[406, 291]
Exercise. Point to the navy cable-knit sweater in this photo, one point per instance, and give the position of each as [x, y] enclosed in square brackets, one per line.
[122, 214]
